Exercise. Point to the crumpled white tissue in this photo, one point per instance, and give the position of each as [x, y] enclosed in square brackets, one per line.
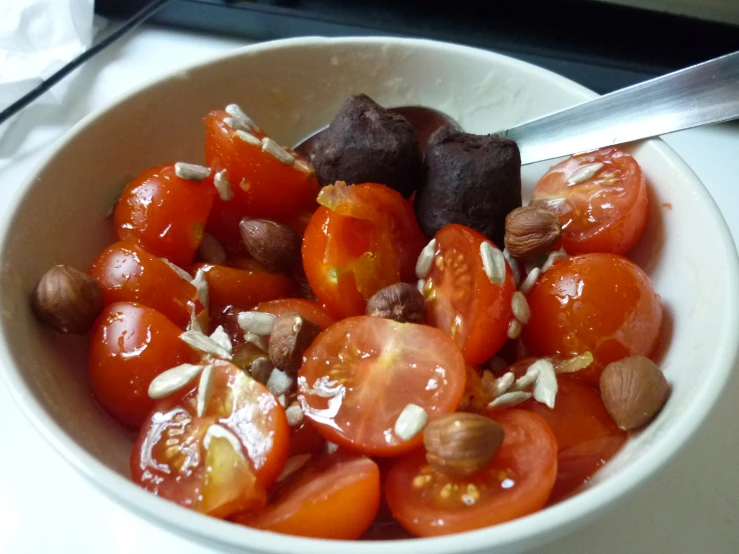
[38, 37]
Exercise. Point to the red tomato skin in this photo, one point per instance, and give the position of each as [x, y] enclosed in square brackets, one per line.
[164, 214]
[306, 308]
[128, 273]
[131, 344]
[599, 303]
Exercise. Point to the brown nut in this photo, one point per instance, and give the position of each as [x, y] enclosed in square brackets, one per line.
[260, 369]
[274, 245]
[633, 390]
[210, 251]
[291, 335]
[401, 302]
[67, 300]
[530, 232]
[462, 443]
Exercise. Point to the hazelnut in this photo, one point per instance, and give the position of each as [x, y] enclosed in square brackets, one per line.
[210, 251]
[291, 336]
[401, 302]
[274, 245]
[462, 443]
[67, 300]
[531, 231]
[633, 390]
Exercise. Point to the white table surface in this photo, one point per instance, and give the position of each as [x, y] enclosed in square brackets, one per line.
[46, 507]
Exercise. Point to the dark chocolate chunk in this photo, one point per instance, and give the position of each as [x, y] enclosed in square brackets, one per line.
[366, 143]
[473, 180]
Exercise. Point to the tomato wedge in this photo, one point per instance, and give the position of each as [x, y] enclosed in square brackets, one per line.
[517, 482]
[600, 198]
[462, 301]
[361, 373]
[179, 457]
[333, 498]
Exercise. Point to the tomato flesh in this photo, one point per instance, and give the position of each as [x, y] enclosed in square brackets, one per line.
[517, 482]
[605, 212]
[599, 303]
[361, 373]
[131, 344]
[164, 214]
[462, 301]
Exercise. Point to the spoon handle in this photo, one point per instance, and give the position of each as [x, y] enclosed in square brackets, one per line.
[698, 95]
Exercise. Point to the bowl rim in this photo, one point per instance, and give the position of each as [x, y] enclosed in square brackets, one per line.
[535, 528]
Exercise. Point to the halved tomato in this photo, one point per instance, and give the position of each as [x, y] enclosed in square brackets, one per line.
[462, 300]
[600, 198]
[517, 482]
[220, 462]
[362, 372]
[336, 497]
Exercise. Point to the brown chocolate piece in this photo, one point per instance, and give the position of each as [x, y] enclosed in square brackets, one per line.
[366, 143]
[473, 180]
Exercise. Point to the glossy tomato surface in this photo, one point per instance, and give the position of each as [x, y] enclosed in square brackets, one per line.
[361, 373]
[598, 303]
[600, 198]
[306, 308]
[517, 482]
[165, 214]
[461, 299]
[131, 344]
[336, 497]
[176, 456]
[128, 273]
[362, 238]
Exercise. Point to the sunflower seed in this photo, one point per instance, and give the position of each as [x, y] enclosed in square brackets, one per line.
[205, 344]
[513, 264]
[520, 307]
[526, 380]
[178, 270]
[514, 329]
[220, 336]
[210, 250]
[216, 431]
[271, 147]
[421, 285]
[425, 259]
[205, 388]
[279, 382]
[293, 464]
[576, 363]
[235, 111]
[331, 447]
[493, 262]
[553, 258]
[546, 387]
[223, 186]
[410, 422]
[294, 415]
[259, 323]
[503, 383]
[248, 138]
[256, 340]
[530, 281]
[173, 380]
[510, 399]
[194, 324]
[112, 208]
[584, 173]
[303, 166]
[282, 401]
[201, 285]
[191, 172]
[237, 125]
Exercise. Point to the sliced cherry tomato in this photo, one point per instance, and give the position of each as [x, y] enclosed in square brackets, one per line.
[361, 373]
[517, 482]
[221, 462]
[587, 437]
[242, 289]
[164, 214]
[263, 186]
[128, 273]
[333, 498]
[306, 308]
[600, 198]
[362, 238]
[305, 439]
[598, 303]
[462, 301]
[131, 344]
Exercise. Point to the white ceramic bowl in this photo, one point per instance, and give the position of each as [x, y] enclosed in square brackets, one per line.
[291, 87]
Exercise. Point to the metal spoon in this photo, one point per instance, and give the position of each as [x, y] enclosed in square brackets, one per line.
[698, 95]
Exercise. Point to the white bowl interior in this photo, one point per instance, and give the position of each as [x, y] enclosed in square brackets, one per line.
[290, 88]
